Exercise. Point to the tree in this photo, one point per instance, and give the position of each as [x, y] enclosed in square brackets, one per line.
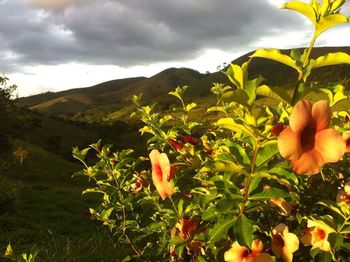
[7, 111]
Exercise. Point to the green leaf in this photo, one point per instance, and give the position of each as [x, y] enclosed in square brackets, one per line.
[332, 59]
[80, 154]
[235, 75]
[329, 21]
[189, 107]
[302, 8]
[224, 205]
[241, 97]
[243, 231]
[332, 206]
[270, 176]
[146, 129]
[254, 184]
[266, 153]
[271, 193]
[276, 55]
[216, 109]
[9, 251]
[274, 92]
[284, 173]
[230, 124]
[165, 119]
[219, 231]
[200, 259]
[324, 257]
[180, 206]
[251, 87]
[227, 166]
[336, 240]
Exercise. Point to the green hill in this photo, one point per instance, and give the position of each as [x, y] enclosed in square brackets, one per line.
[110, 101]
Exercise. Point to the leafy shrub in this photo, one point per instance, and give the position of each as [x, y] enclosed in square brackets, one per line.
[254, 183]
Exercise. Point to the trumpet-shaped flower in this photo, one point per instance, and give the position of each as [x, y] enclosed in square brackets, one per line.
[346, 137]
[317, 235]
[238, 253]
[284, 206]
[187, 226]
[284, 243]
[343, 196]
[308, 141]
[162, 172]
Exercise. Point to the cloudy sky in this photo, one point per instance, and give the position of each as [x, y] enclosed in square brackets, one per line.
[61, 44]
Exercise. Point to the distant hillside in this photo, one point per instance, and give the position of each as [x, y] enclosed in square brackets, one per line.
[92, 91]
[110, 101]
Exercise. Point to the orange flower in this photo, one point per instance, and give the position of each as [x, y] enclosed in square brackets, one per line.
[307, 141]
[343, 196]
[284, 244]
[317, 235]
[161, 173]
[346, 137]
[285, 207]
[186, 226]
[238, 253]
[138, 185]
[277, 129]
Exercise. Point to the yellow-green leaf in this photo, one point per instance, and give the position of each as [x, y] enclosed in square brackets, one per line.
[165, 119]
[302, 8]
[329, 21]
[216, 109]
[336, 4]
[227, 166]
[237, 74]
[189, 107]
[230, 124]
[332, 59]
[275, 92]
[146, 129]
[276, 55]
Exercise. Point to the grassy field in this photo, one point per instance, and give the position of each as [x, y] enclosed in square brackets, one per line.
[42, 207]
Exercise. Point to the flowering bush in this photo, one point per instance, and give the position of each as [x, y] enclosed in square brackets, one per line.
[259, 183]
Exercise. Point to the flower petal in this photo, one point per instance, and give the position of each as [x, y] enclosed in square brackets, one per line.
[165, 166]
[235, 253]
[257, 245]
[307, 239]
[160, 172]
[300, 116]
[330, 145]
[287, 255]
[346, 137]
[291, 241]
[259, 257]
[321, 112]
[289, 144]
[309, 163]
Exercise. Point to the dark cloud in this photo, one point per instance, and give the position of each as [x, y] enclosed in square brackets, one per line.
[132, 32]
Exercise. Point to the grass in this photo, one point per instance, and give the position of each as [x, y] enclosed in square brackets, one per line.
[42, 207]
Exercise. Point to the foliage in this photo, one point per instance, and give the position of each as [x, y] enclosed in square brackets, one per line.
[259, 182]
[7, 113]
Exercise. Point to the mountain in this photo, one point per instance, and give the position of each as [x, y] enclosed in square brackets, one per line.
[110, 101]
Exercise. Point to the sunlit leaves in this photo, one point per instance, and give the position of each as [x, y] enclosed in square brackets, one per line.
[276, 55]
[332, 59]
[329, 21]
[274, 92]
[304, 9]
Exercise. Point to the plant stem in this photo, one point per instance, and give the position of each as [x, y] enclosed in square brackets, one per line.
[306, 60]
[174, 207]
[247, 184]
